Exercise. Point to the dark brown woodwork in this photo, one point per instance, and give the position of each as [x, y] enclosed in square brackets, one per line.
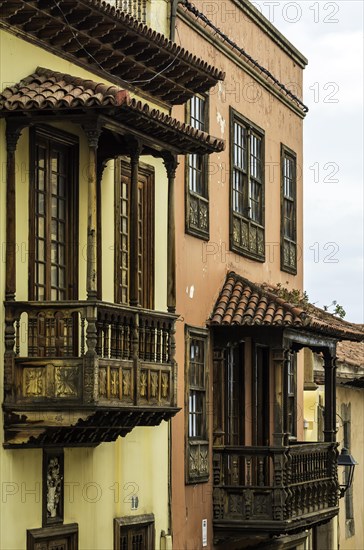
[285, 489]
[63, 395]
[134, 533]
[330, 397]
[100, 171]
[134, 179]
[92, 131]
[145, 231]
[129, 53]
[60, 537]
[171, 163]
[53, 140]
[13, 132]
[280, 436]
[260, 395]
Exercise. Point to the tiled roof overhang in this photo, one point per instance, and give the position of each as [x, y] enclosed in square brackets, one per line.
[47, 91]
[243, 303]
[351, 354]
[96, 35]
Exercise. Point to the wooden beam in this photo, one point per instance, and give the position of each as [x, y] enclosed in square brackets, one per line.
[92, 131]
[171, 163]
[330, 397]
[12, 135]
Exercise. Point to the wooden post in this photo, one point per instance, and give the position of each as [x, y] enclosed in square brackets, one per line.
[92, 132]
[134, 226]
[330, 397]
[12, 136]
[171, 163]
[101, 165]
[280, 437]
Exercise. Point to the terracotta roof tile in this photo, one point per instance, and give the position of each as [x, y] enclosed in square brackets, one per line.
[242, 302]
[49, 90]
[351, 353]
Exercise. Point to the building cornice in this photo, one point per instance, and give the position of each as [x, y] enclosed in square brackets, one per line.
[251, 11]
[239, 61]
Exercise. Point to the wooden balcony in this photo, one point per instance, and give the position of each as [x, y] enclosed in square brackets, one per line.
[136, 8]
[273, 491]
[80, 373]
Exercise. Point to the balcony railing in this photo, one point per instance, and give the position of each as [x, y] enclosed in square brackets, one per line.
[92, 355]
[136, 8]
[281, 488]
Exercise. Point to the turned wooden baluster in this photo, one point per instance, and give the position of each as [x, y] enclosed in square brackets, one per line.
[165, 339]
[83, 339]
[105, 330]
[142, 339]
[17, 337]
[99, 345]
[148, 337]
[68, 333]
[261, 471]
[9, 356]
[113, 337]
[158, 347]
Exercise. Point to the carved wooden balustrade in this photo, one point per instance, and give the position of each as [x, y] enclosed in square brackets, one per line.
[88, 355]
[136, 8]
[281, 488]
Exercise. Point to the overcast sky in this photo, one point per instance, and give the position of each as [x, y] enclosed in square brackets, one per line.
[330, 35]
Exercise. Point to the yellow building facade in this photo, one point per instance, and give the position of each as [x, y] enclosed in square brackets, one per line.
[73, 489]
[346, 531]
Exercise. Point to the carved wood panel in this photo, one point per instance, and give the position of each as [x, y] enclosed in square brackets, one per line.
[42, 379]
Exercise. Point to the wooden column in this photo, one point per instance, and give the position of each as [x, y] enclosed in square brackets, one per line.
[12, 136]
[101, 165]
[171, 163]
[134, 226]
[92, 132]
[280, 436]
[330, 397]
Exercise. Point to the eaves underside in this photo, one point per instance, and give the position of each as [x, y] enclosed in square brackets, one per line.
[93, 35]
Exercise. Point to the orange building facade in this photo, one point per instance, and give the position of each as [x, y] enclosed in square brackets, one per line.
[236, 452]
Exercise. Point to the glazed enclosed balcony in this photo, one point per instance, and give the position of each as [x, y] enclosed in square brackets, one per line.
[80, 373]
[281, 490]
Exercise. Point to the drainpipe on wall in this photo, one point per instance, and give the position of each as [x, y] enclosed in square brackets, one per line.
[174, 6]
[166, 538]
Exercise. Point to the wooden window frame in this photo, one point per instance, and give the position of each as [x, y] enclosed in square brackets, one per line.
[197, 447]
[47, 534]
[146, 172]
[291, 243]
[244, 230]
[127, 523]
[51, 134]
[291, 395]
[198, 202]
